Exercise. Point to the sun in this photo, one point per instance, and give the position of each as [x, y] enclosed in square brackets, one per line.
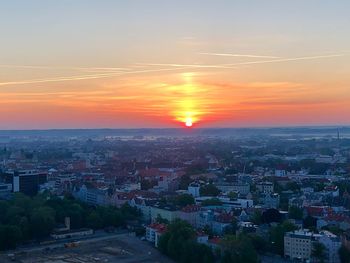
[188, 122]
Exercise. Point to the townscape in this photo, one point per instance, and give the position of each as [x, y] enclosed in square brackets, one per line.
[240, 196]
[162, 131]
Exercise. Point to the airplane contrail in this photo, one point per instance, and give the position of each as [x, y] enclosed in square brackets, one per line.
[234, 65]
[236, 55]
[91, 69]
[58, 79]
[85, 77]
[286, 59]
[185, 65]
[175, 67]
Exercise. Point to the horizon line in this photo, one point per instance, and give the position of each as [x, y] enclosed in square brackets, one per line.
[186, 129]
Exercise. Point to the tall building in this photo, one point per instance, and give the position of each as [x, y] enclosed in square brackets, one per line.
[5, 190]
[26, 181]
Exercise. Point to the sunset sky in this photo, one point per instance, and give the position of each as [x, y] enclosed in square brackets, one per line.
[162, 63]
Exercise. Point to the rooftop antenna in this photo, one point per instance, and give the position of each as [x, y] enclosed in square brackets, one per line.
[338, 134]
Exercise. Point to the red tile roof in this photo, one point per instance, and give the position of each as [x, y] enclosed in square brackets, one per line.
[160, 228]
[318, 210]
[215, 240]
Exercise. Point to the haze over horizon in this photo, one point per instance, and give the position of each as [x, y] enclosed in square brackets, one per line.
[158, 64]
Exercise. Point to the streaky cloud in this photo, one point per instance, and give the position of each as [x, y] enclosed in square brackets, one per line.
[58, 79]
[174, 67]
[87, 69]
[86, 77]
[236, 55]
[286, 59]
[185, 66]
[236, 65]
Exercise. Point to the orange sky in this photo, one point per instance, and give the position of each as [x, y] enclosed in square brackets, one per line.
[160, 65]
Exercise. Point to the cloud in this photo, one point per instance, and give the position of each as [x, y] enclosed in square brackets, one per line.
[235, 55]
[107, 72]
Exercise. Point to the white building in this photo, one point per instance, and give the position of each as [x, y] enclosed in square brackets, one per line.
[332, 244]
[193, 189]
[299, 245]
[280, 172]
[92, 196]
[270, 200]
[265, 187]
[228, 203]
[241, 188]
[154, 232]
[76, 233]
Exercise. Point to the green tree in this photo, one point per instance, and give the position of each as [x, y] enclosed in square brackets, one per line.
[295, 213]
[76, 214]
[258, 242]
[194, 252]
[25, 228]
[161, 220]
[179, 244]
[184, 200]
[22, 201]
[257, 218]
[94, 220]
[146, 184]
[231, 228]
[209, 190]
[42, 221]
[232, 195]
[208, 230]
[271, 215]
[344, 255]
[14, 215]
[310, 222]
[9, 236]
[318, 252]
[34, 218]
[238, 250]
[4, 206]
[211, 202]
[277, 236]
[185, 180]
[293, 186]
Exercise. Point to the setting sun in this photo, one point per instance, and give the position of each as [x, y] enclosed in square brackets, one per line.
[189, 122]
[265, 72]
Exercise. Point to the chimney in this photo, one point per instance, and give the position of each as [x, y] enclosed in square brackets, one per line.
[67, 222]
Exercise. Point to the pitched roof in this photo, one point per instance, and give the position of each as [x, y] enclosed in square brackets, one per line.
[160, 228]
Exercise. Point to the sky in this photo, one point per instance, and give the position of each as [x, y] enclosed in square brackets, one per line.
[162, 63]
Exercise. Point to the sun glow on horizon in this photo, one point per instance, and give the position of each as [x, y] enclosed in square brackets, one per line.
[187, 108]
[189, 122]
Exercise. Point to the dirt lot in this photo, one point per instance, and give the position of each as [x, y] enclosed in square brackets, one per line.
[122, 249]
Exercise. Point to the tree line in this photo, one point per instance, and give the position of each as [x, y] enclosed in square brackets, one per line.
[179, 243]
[25, 219]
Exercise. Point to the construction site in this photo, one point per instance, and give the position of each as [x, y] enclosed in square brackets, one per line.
[122, 249]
